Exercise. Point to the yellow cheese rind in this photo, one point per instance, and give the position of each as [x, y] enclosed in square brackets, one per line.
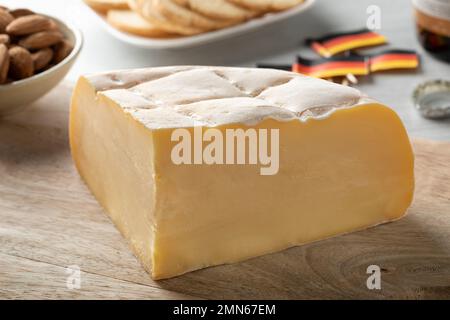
[112, 154]
[342, 168]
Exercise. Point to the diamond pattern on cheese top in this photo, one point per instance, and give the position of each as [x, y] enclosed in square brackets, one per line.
[213, 96]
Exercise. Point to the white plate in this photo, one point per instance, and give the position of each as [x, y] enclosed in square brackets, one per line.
[208, 37]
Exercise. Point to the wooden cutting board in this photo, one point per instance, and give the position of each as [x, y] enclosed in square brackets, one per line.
[49, 221]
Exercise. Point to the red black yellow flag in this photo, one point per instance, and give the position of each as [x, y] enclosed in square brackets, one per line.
[332, 44]
[394, 59]
[326, 68]
[332, 67]
[355, 64]
[285, 67]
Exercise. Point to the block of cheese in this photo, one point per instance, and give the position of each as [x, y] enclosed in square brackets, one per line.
[345, 162]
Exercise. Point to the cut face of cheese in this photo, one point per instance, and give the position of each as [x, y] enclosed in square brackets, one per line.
[345, 162]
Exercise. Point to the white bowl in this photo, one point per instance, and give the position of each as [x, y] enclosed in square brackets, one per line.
[16, 96]
[204, 38]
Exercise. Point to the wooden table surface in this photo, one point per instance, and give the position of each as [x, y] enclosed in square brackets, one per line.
[49, 221]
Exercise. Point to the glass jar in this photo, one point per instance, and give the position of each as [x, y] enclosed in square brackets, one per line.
[433, 26]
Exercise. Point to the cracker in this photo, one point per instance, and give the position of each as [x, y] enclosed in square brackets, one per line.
[267, 5]
[103, 6]
[186, 17]
[131, 22]
[146, 8]
[219, 9]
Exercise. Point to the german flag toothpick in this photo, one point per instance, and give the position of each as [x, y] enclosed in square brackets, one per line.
[332, 67]
[347, 67]
[285, 67]
[394, 59]
[332, 44]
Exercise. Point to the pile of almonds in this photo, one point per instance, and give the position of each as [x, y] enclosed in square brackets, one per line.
[29, 44]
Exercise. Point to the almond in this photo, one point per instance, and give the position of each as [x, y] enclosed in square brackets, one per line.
[4, 39]
[42, 58]
[5, 19]
[54, 26]
[17, 13]
[4, 63]
[41, 40]
[28, 24]
[62, 50]
[21, 63]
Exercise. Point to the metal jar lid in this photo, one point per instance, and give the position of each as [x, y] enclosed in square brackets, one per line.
[432, 99]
